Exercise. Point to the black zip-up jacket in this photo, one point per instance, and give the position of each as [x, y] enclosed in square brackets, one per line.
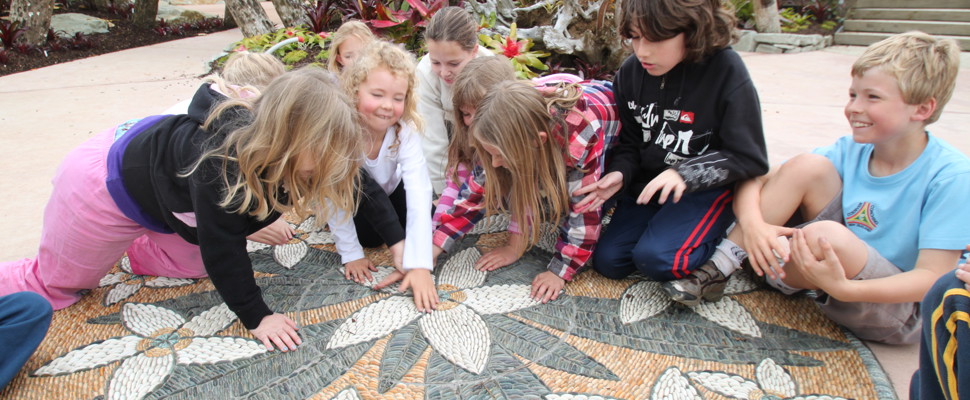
[152, 166]
[703, 119]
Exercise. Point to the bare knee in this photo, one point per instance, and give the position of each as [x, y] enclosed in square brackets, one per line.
[851, 251]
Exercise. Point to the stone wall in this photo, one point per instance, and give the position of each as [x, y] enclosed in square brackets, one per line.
[780, 42]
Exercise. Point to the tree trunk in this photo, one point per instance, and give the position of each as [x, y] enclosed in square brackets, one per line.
[290, 13]
[145, 13]
[766, 17]
[35, 17]
[227, 19]
[250, 16]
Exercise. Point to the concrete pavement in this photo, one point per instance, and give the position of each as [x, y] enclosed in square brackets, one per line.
[45, 113]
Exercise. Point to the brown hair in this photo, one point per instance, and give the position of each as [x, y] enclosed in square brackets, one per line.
[706, 24]
[925, 67]
[472, 84]
[534, 180]
[453, 24]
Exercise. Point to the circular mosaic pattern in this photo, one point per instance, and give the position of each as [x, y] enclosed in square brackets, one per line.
[602, 339]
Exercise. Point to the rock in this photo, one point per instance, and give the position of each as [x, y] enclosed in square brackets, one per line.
[178, 15]
[745, 41]
[66, 25]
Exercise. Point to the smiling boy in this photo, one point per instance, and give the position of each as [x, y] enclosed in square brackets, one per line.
[886, 206]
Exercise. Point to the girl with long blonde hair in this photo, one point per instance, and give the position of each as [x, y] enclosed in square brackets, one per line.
[346, 44]
[382, 85]
[180, 193]
[537, 147]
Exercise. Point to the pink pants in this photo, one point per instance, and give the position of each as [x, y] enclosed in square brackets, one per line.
[85, 234]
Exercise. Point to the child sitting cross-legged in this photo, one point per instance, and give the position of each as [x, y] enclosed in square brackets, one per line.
[886, 206]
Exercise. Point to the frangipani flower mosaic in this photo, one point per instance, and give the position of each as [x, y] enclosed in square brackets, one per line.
[601, 339]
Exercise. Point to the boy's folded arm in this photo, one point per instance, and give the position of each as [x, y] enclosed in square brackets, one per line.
[909, 286]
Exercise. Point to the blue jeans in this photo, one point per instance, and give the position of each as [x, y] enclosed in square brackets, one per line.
[945, 341]
[24, 319]
[663, 241]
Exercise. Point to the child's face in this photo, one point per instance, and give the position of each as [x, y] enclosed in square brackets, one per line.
[447, 59]
[467, 114]
[497, 160]
[658, 58]
[380, 100]
[876, 110]
[348, 50]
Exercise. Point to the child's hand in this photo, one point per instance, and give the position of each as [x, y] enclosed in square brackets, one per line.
[668, 182]
[963, 273]
[359, 270]
[277, 329]
[819, 264]
[504, 255]
[546, 287]
[397, 254]
[422, 286]
[765, 245]
[435, 252]
[275, 234]
[599, 192]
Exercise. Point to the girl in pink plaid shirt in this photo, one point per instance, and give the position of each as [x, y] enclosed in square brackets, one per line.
[537, 147]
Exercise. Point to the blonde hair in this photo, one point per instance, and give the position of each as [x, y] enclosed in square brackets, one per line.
[925, 67]
[534, 180]
[246, 73]
[400, 63]
[349, 29]
[453, 24]
[472, 84]
[300, 114]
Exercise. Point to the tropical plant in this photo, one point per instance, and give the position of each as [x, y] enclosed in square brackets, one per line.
[821, 10]
[743, 11]
[290, 54]
[321, 15]
[792, 21]
[525, 61]
[9, 32]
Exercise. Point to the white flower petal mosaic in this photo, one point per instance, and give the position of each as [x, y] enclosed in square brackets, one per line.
[460, 335]
[487, 336]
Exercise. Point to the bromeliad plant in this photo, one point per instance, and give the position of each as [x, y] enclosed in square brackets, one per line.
[525, 61]
[290, 54]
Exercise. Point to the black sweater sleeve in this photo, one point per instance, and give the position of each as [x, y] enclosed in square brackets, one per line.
[222, 241]
[626, 153]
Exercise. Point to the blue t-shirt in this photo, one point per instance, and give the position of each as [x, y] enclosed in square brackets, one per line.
[924, 206]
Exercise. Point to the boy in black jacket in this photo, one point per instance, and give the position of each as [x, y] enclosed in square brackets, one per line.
[691, 129]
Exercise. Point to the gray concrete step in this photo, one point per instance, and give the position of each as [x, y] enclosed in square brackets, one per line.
[912, 4]
[911, 14]
[897, 26]
[867, 38]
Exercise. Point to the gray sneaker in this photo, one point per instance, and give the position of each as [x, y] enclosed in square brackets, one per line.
[706, 282]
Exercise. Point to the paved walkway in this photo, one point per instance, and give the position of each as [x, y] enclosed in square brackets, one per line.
[45, 113]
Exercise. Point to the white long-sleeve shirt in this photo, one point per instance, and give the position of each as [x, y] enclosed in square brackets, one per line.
[435, 106]
[391, 167]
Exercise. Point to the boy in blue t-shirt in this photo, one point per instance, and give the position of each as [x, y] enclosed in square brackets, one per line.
[886, 207]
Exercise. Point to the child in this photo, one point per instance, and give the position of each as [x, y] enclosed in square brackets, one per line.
[537, 147]
[243, 75]
[472, 84]
[691, 129]
[452, 39]
[181, 197]
[886, 207]
[382, 84]
[947, 324]
[346, 43]
[24, 319]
